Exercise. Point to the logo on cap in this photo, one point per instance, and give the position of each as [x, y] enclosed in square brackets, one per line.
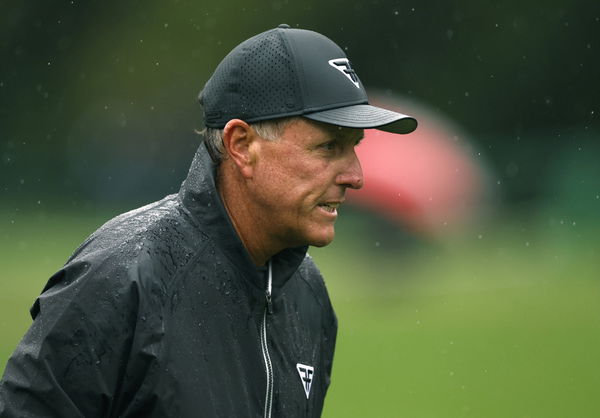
[343, 66]
[306, 376]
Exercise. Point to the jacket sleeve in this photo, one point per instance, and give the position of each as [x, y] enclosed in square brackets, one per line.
[72, 360]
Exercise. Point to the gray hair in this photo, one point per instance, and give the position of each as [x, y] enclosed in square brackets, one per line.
[269, 130]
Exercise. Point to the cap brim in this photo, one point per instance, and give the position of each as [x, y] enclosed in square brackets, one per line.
[364, 116]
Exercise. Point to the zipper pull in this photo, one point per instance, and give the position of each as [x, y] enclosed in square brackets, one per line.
[269, 303]
[269, 289]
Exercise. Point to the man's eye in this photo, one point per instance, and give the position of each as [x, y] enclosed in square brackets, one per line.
[329, 145]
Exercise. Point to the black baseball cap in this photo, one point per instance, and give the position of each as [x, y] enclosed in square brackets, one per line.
[287, 72]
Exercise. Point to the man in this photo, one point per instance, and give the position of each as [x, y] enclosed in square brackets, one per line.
[205, 303]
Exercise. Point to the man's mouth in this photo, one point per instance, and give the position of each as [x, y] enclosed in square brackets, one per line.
[330, 207]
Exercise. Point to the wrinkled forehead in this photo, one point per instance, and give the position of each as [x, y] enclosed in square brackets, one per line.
[338, 132]
[341, 132]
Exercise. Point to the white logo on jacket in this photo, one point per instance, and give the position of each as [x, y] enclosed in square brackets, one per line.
[306, 376]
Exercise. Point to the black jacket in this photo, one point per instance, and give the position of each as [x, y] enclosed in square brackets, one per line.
[160, 313]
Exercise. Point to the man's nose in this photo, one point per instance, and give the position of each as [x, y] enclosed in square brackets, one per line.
[351, 175]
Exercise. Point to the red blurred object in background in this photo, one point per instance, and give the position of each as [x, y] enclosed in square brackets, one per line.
[428, 180]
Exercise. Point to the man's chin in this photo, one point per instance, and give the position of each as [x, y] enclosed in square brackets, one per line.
[323, 241]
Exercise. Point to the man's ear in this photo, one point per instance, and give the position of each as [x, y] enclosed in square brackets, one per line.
[238, 138]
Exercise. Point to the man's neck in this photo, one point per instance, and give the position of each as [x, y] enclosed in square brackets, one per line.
[241, 213]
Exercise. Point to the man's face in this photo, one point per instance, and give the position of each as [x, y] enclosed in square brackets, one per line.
[300, 180]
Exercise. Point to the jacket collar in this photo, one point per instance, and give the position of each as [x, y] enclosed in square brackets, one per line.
[200, 197]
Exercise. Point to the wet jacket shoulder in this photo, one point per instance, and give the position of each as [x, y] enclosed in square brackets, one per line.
[161, 313]
[107, 302]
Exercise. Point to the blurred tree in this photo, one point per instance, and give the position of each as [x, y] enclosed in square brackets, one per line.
[91, 92]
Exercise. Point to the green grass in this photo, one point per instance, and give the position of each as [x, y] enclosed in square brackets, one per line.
[502, 322]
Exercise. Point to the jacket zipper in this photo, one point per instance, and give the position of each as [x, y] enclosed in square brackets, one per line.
[265, 348]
